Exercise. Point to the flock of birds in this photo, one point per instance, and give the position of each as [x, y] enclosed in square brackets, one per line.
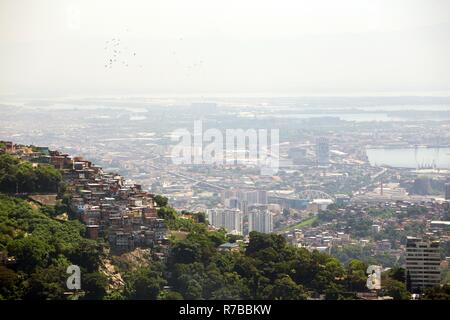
[119, 55]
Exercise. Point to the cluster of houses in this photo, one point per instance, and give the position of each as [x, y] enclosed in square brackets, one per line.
[398, 215]
[110, 207]
[317, 239]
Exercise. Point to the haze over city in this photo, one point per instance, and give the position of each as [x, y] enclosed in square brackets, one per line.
[224, 150]
[211, 47]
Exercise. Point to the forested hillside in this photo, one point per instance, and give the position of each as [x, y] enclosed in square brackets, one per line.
[37, 249]
[18, 176]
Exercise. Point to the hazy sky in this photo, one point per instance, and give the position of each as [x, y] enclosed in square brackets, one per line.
[268, 47]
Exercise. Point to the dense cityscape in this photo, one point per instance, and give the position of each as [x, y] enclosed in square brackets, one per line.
[358, 178]
[210, 159]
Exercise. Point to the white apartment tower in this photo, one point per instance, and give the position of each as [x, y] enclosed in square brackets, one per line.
[322, 151]
[422, 264]
[242, 198]
[229, 219]
[260, 221]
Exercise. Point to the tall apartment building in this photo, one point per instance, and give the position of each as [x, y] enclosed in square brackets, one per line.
[229, 219]
[422, 264]
[256, 197]
[447, 191]
[260, 220]
[322, 151]
[243, 198]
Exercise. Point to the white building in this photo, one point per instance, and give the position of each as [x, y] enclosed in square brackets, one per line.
[229, 219]
[317, 205]
[260, 220]
[376, 228]
[322, 151]
[240, 198]
[422, 263]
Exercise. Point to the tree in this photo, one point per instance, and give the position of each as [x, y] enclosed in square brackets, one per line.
[144, 284]
[217, 238]
[398, 274]
[230, 287]
[42, 248]
[86, 254]
[161, 201]
[167, 213]
[186, 252]
[172, 295]
[8, 281]
[21, 176]
[437, 293]
[356, 275]
[26, 177]
[333, 292]
[261, 241]
[396, 290]
[94, 284]
[30, 252]
[47, 178]
[8, 173]
[232, 238]
[190, 287]
[47, 284]
[200, 217]
[285, 288]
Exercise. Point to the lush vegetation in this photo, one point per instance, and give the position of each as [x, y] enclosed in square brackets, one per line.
[22, 177]
[40, 249]
[268, 268]
[438, 293]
